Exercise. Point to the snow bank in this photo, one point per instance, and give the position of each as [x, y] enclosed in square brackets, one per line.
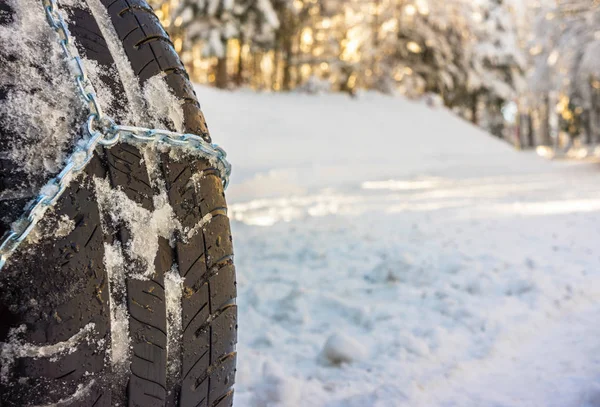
[286, 143]
[452, 261]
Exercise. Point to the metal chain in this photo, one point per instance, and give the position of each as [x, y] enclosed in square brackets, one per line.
[187, 142]
[102, 130]
[86, 89]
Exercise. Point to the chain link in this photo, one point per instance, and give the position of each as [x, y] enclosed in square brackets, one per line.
[57, 22]
[187, 142]
[47, 197]
[102, 130]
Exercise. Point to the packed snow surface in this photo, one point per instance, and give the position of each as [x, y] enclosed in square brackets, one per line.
[436, 265]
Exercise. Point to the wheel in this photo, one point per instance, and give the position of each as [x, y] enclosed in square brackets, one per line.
[124, 294]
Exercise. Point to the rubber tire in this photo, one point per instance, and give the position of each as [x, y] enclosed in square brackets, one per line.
[55, 288]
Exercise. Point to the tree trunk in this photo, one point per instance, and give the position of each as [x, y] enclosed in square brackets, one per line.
[239, 77]
[258, 83]
[287, 61]
[545, 122]
[375, 45]
[530, 138]
[222, 79]
[275, 85]
[587, 126]
[594, 118]
[474, 104]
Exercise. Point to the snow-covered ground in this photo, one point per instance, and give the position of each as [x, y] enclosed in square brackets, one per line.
[389, 254]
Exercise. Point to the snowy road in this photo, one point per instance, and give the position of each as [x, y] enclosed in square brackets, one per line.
[453, 270]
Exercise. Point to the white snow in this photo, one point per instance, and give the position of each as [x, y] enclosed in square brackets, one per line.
[64, 226]
[340, 349]
[119, 316]
[106, 97]
[82, 391]
[51, 226]
[173, 295]
[162, 103]
[275, 388]
[137, 109]
[467, 271]
[194, 231]
[145, 226]
[46, 120]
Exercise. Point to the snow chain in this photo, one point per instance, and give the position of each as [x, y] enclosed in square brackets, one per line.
[102, 130]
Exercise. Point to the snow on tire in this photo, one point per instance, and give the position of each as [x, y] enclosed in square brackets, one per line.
[125, 292]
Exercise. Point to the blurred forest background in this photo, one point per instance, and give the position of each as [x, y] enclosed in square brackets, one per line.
[525, 70]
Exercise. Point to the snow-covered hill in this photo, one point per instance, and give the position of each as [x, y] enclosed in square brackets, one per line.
[390, 254]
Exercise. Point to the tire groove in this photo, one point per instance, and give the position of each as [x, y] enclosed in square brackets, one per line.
[214, 367]
[226, 260]
[194, 317]
[149, 380]
[91, 236]
[138, 73]
[192, 265]
[119, 158]
[147, 324]
[158, 284]
[153, 38]
[129, 175]
[98, 399]
[130, 32]
[175, 181]
[216, 402]
[154, 397]
[155, 344]
[211, 318]
[218, 266]
[102, 44]
[133, 9]
[131, 150]
[153, 295]
[66, 374]
[194, 365]
[143, 358]
[111, 4]
[142, 28]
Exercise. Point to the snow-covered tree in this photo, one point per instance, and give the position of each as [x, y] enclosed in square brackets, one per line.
[498, 61]
[298, 20]
[475, 54]
[214, 22]
[429, 47]
[566, 63]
